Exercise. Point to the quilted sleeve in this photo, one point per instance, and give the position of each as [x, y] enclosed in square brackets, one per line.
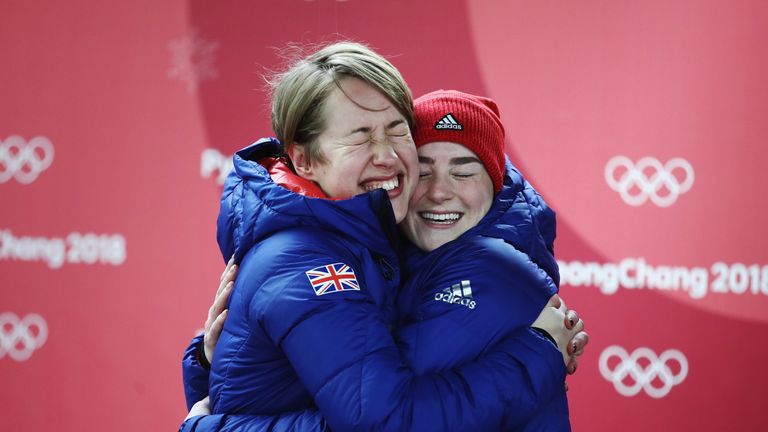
[195, 376]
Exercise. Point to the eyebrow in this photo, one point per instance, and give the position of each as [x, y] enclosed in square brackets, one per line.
[454, 161]
[365, 129]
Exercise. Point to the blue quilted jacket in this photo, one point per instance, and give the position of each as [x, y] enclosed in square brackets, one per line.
[308, 340]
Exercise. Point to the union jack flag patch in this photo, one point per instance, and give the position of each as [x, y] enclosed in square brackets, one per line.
[332, 278]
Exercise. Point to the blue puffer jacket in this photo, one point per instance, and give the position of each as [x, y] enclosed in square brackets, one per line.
[297, 333]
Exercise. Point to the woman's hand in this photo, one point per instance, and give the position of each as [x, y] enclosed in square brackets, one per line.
[566, 329]
[217, 313]
[577, 343]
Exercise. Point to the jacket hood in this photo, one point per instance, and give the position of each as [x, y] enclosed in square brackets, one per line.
[253, 205]
[520, 217]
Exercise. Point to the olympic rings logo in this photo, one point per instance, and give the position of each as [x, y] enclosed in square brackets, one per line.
[20, 338]
[24, 161]
[632, 177]
[630, 365]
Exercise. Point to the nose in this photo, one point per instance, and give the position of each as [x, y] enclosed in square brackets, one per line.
[384, 154]
[439, 189]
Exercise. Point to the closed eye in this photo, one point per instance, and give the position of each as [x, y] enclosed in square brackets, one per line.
[399, 132]
[398, 135]
[398, 128]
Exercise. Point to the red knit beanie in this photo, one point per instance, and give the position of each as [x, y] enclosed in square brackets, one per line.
[462, 118]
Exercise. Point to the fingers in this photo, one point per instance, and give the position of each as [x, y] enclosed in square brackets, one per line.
[571, 318]
[211, 337]
[215, 331]
[226, 283]
[572, 365]
[578, 327]
[581, 341]
[217, 313]
[230, 263]
[577, 343]
[219, 303]
[230, 273]
[576, 349]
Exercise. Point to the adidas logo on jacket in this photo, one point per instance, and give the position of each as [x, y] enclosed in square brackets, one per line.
[458, 294]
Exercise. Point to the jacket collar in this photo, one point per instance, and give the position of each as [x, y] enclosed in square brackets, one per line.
[262, 196]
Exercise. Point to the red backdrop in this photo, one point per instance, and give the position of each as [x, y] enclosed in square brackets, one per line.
[642, 123]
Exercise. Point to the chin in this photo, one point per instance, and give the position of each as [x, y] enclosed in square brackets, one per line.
[400, 211]
[431, 244]
[442, 239]
[399, 215]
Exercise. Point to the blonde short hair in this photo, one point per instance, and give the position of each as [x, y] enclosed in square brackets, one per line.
[299, 93]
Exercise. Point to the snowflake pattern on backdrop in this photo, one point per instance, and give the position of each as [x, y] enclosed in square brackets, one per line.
[193, 60]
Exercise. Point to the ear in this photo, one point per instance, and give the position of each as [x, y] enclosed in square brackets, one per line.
[301, 162]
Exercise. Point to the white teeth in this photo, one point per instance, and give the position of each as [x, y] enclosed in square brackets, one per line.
[441, 218]
[387, 185]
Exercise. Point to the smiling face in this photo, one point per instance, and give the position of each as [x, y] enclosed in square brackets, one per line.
[452, 195]
[366, 144]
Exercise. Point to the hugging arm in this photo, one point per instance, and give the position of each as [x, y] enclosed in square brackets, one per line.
[504, 387]
[345, 356]
[371, 389]
[300, 421]
[492, 297]
[354, 371]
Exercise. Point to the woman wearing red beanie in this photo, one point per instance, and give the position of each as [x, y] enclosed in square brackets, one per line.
[475, 215]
